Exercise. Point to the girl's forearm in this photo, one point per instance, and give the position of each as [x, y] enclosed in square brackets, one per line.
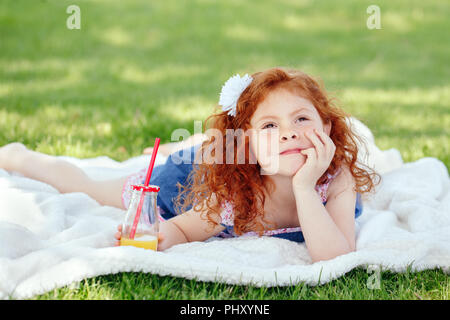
[171, 234]
[323, 238]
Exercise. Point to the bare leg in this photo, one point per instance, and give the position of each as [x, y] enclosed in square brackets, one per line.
[60, 174]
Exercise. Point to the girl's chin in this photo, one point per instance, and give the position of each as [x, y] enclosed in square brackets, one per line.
[285, 168]
[289, 172]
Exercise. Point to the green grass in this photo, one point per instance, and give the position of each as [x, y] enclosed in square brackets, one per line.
[430, 284]
[140, 69]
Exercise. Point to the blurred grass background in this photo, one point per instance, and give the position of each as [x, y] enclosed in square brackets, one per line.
[139, 69]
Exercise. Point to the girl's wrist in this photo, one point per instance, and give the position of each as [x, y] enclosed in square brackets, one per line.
[302, 190]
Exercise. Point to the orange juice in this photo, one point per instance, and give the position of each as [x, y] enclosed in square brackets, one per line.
[141, 241]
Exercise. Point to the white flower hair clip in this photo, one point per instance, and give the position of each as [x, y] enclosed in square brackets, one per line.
[231, 91]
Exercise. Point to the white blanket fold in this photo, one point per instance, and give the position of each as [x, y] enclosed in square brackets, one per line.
[49, 240]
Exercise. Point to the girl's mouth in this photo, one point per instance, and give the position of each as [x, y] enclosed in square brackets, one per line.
[291, 151]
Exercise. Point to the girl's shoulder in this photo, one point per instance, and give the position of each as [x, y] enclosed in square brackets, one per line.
[342, 180]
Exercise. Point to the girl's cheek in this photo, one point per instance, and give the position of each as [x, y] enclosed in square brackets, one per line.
[303, 138]
[307, 128]
[265, 144]
[267, 155]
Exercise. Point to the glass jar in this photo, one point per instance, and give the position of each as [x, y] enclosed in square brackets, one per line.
[145, 235]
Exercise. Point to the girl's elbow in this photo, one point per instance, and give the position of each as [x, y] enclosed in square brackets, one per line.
[164, 244]
[352, 245]
[352, 248]
[331, 255]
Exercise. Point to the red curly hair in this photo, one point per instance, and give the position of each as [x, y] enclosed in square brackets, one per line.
[241, 184]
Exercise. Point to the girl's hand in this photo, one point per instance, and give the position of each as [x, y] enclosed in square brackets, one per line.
[118, 235]
[318, 160]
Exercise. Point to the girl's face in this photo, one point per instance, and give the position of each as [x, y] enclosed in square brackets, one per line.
[279, 124]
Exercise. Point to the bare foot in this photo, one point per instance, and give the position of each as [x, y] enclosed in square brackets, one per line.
[169, 148]
[9, 155]
[164, 149]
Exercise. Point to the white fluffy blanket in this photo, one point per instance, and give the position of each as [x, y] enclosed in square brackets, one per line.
[49, 240]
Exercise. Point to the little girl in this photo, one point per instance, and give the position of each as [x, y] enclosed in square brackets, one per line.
[300, 179]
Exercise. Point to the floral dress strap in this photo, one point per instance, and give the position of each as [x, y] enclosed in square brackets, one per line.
[227, 215]
[322, 189]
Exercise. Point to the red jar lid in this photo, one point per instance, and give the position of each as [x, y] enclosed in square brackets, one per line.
[145, 188]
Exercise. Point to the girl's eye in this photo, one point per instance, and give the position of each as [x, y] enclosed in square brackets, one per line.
[302, 119]
[267, 125]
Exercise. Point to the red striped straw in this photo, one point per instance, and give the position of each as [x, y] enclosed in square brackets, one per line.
[147, 181]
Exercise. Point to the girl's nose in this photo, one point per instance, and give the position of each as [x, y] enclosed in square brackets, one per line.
[288, 135]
